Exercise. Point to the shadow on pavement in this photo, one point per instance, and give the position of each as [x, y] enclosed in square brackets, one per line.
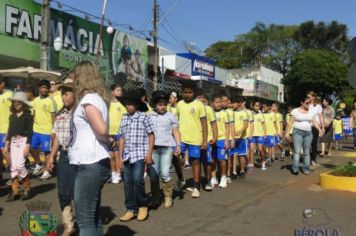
[4, 191]
[42, 188]
[106, 214]
[1, 210]
[328, 166]
[115, 230]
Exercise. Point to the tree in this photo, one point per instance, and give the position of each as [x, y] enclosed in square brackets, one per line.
[318, 70]
[270, 45]
[332, 36]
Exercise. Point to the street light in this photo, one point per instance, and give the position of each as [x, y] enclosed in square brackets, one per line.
[57, 44]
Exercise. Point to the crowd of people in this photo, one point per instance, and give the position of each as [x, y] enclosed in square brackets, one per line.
[90, 137]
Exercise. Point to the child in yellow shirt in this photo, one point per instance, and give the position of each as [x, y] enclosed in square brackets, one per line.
[337, 128]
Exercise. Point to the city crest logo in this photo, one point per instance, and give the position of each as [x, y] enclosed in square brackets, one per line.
[38, 220]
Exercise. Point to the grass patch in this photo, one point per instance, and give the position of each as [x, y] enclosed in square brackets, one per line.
[346, 170]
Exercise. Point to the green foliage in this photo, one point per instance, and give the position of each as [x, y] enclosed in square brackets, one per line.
[332, 37]
[347, 170]
[318, 70]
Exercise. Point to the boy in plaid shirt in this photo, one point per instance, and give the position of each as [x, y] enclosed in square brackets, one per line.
[135, 151]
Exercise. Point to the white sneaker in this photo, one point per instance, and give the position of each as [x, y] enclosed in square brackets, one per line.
[228, 179]
[264, 166]
[214, 182]
[195, 193]
[38, 170]
[9, 182]
[46, 175]
[223, 182]
[115, 179]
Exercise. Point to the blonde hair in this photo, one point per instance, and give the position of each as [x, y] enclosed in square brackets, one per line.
[316, 100]
[88, 80]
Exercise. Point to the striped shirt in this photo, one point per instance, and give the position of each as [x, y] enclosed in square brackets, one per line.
[164, 123]
[135, 130]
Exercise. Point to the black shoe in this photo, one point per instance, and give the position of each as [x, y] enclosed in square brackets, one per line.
[12, 197]
[242, 175]
[295, 172]
[26, 195]
[234, 176]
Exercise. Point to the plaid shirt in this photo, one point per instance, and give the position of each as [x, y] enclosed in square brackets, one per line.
[164, 124]
[62, 127]
[135, 129]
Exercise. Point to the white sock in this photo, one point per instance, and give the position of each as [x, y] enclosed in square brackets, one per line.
[38, 165]
[113, 173]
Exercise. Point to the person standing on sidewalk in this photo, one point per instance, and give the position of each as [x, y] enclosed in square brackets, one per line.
[88, 147]
[301, 120]
[167, 142]
[329, 115]
[18, 144]
[116, 112]
[55, 94]
[65, 172]
[135, 151]
[193, 129]
[5, 105]
[353, 123]
[317, 111]
[44, 114]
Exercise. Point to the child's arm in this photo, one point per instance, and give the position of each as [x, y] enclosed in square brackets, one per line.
[214, 128]
[176, 136]
[232, 133]
[121, 151]
[151, 142]
[204, 125]
[53, 154]
[227, 133]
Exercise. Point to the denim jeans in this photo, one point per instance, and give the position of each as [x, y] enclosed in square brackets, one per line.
[314, 143]
[354, 133]
[301, 139]
[162, 161]
[134, 185]
[87, 196]
[65, 180]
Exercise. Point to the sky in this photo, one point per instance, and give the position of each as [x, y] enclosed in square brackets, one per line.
[203, 22]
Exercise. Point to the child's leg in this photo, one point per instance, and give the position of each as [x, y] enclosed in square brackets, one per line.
[261, 150]
[322, 149]
[234, 164]
[329, 148]
[242, 161]
[252, 152]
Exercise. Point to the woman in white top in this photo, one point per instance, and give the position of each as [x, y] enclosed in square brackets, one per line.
[89, 147]
[316, 108]
[301, 120]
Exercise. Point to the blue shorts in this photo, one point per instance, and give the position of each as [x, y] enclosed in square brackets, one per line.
[219, 151]
[257, 140]
[337, 137]
[193, 150]
[231, 151]
[2, 140]
[205, 155]
[241, 147]
[270, 141]
[41, 141]
[278, 140]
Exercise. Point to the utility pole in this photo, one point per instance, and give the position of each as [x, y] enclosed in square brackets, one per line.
[155, 45]
[45, 19]
[101, 32]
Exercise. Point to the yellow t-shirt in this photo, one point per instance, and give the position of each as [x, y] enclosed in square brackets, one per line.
[288, 118]
[258, 120]
[57, 97]
[5, 105]
[222, 118]
[279, 121]
[230, 113]
[43, 109]
[210, 119]
[172, 110]
[116, 112]
[190, 127]
[337, 126]
[250, 122]
[240, 117]
[270, 120]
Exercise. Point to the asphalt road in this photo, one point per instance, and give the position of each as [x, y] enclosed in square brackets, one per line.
[265, 203]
